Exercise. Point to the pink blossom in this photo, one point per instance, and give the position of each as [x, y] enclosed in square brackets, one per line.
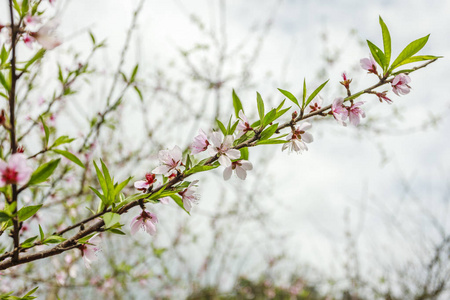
[170, 161]
[189, 195]
[355, 113]
[15, 171]
[145, 185]
[90, 249]
[400, 84]
[369, 64]
[240, 167]
[200, 143]
[32, 20]
[298, 137]
[314, 105]
[222, 146]
[164, 200]
[28, 40]
[339, 111]
[146, 221]
[243, 125]
[46, 36]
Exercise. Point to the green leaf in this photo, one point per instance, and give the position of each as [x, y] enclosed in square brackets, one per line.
[417, 58]
[117, 231]
[266, 134]
[43, 172]
[92, 37]
[244, 153]
[316, 91]
[118, 188]
[61, 140]
[133, 75]
[27, 211]
[4, 82]
[70, 157]
[237, 104]
[46, 131]
[304, 93]
[386, 43]
[138, 91]
[260, 104]
[3, 55]
[53, 239]
[85, 239]
[179, 201]
[200, 168]
[28, 242]
[36, 57]
[221, 127]
[270, 117]
[110, 219]
[24, 7]
[41, 233]
[377, 54]
[102, 197]
[101, 179]
[409, 51]
[188, 162]
[289, 96]
[4, 216]
[271, 142]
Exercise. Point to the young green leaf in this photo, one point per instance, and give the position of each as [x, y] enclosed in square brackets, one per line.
[377, 54]
[237, 104]
[43, 172]
[409, 51]
[110, 219]
[417, 58]
[41, 233]
[46, 131]
[54, 239]
[260, 103]
[386, 43]
[289, 96]
[4, 216]
[221, 127]
[70, 157]
[36, 57]
[27, 211]
[316, 91]
[179, 201]
[304, 93]
[200, 168]
[244, 153]
[270, 117]
[61, 140]
[266, 134]
[4, 82]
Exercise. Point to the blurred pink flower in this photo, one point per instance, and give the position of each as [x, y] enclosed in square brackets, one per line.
[400, 84]
[200, 143]
[222, 146]
[31, 20]
[240, 167]
[189, 195]
[28, 40]
[170, 161]
[145, 185]
[90, 249]
[146, 221]
[339, 111]
[369, 64]
[46, 36]
[15, 171]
